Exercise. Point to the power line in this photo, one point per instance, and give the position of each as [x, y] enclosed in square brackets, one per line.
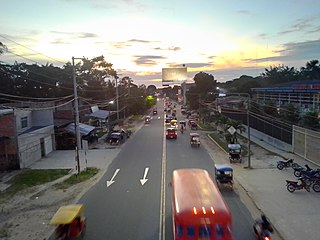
[31, 49]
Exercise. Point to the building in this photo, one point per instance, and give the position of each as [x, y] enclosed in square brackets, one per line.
[27, 134]
[9, 158]
[303, 94]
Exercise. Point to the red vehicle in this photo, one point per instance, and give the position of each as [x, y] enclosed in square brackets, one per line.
[198, 208]
[171, 133]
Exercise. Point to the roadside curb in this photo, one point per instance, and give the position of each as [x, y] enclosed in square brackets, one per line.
[246, 192]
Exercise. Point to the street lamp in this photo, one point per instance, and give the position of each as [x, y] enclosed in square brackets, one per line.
[76, 106]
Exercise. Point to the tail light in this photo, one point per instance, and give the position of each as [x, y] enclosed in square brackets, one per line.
[266, 238]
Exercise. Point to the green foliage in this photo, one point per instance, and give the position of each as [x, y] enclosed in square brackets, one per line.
[77, 178]
[290, 113]
[32, 177]
[311, 119]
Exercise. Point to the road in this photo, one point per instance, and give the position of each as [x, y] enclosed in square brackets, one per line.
[133, 200]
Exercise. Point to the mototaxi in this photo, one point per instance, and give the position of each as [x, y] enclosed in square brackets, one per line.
[194, 139]
[235, 152]
[70, 222]
[147, 119]
[224, 174]
[173, 123]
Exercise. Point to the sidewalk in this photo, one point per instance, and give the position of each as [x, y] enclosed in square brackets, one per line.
[294, 215]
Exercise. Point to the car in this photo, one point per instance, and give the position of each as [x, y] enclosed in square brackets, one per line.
[171, 133]
[168, 120]
[115, 138]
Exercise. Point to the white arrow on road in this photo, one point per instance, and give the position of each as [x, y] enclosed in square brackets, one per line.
[144, 179]
[114, 175]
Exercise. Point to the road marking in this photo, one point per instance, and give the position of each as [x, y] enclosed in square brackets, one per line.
[163, 191]
[144, 179]
[111, 180]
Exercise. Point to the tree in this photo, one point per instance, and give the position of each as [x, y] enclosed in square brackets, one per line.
[151, 89]
[311, 71]
[3, 48]
[280, 74]
[290, 113]
[311, 119]
[237, 126]
[204, 83]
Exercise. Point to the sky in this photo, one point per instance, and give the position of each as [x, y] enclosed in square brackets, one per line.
[227, 39]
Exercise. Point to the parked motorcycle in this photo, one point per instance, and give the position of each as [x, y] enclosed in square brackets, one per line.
[294, 185]
[285, 164]
[298, 171]
[262, 228]
[316, 186]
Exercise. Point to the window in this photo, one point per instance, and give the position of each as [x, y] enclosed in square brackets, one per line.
[219, 231]
[191, 232]
[205, 231]
[24, 122]
[179, 230]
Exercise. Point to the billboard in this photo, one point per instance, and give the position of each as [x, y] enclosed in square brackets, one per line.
[174, 75]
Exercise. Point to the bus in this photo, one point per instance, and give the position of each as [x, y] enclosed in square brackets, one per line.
[198, 208]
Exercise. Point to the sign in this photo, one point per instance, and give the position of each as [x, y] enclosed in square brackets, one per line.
[174, 75]
[232, 130]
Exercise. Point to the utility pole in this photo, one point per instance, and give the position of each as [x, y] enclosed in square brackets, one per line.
[117, 95]
[76, 109]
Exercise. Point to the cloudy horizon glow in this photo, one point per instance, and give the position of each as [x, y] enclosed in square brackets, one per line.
[140, 37]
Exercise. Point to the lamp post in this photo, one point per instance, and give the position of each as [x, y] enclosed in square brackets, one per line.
[76, 108]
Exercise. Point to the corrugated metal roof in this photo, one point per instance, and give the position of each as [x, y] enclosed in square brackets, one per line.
[84, 128]
[102, 114]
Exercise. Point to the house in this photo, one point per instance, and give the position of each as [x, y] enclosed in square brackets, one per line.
[28, 135]
[9, 157]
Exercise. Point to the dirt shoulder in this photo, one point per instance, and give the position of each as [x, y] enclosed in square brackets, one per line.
[27, 214]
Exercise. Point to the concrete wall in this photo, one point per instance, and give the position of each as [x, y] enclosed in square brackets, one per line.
[306, 143]
[266, 138]
[30, 145]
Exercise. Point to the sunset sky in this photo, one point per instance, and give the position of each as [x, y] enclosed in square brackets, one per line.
[140, 37]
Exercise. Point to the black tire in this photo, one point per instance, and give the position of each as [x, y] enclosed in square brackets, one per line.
[297, 173]
[316, 187]
[291, 188]
[280, 166]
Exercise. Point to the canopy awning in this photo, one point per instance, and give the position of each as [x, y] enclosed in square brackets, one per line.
[84, 128]
[101, 114]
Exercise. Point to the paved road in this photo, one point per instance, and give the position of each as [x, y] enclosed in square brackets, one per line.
[295, 216]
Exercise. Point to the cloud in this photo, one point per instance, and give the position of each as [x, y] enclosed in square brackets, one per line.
[299, 53]
[139, 41]
[59, 41]
[130, 42]
[301, 25]
[172, 48]
[148, 60]
[77, 34]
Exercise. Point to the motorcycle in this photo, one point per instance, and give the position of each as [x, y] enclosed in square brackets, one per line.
[262, 233]
[294, 185]
[298, 171]
[285, 164]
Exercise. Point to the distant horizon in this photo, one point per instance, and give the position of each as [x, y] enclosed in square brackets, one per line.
[226, 39]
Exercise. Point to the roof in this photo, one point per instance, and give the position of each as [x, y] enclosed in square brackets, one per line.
[66, 214]
[84, 128]
[102, 114]
[223, 167]
[307, 86]
[194, 188]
